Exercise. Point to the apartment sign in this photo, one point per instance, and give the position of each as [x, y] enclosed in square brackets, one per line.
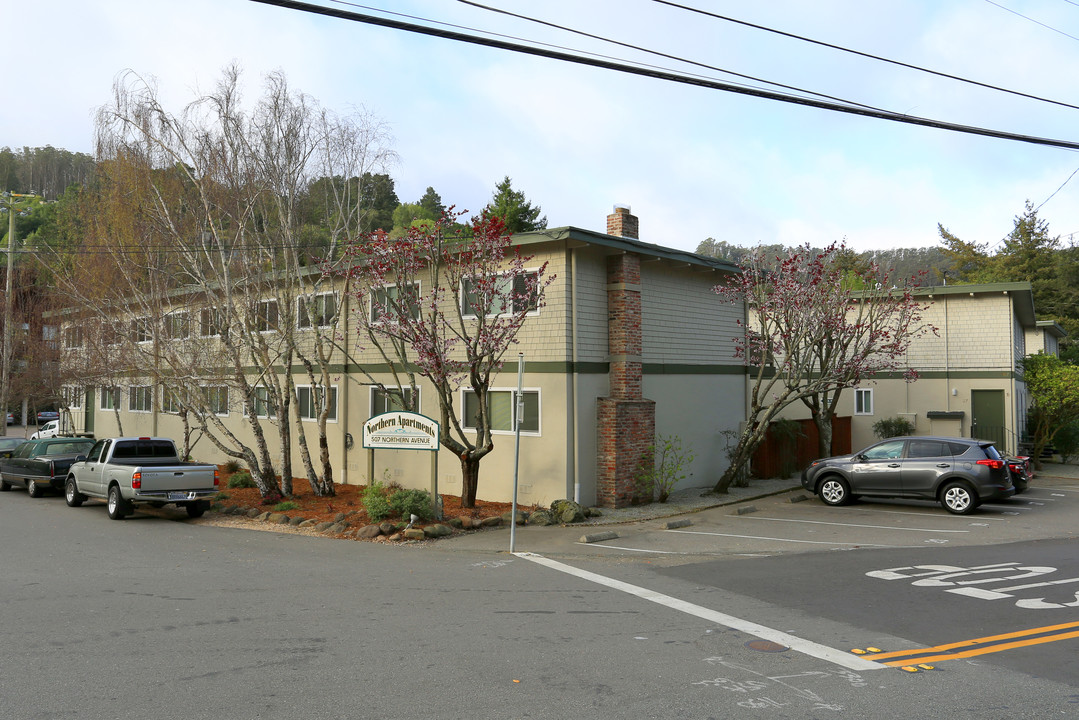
[401, 431]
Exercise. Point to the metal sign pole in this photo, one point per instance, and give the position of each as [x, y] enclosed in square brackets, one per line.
[516, 449]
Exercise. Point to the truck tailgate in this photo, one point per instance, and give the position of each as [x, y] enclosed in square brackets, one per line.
[170, 479]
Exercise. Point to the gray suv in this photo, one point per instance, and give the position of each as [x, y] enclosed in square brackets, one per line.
[959, 473]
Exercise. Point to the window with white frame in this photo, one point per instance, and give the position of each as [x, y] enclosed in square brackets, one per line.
[73, 396]
[391, 399]
[170, 401]
[141, 330]
[863, 401]
[178, 325]
[501, 408]
[391, 296]
[140, 398]
[211, 322]
[266, 316]
[110, 398]
[217, 398]
[73, 336]
[262, 402]
[307, 395]
[319, 310]
[481, 294]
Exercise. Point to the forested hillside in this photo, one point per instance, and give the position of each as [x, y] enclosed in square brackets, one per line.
[1029, 252]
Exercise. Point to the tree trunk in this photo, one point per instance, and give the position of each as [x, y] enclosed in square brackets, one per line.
[750, 439]
[470, 479]
[823, 421]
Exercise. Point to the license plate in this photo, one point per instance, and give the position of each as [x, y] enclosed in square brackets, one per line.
[179, 496]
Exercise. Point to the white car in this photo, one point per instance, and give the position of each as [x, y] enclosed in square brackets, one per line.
[48, 430]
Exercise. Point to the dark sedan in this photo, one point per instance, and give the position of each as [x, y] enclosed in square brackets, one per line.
[40, 464]
[959, 473]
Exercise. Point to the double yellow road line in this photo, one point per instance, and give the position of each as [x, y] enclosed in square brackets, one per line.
[973, 648]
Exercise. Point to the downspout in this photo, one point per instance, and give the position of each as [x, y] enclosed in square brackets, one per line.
[575, 480]
[1012, 364]
[345, 385]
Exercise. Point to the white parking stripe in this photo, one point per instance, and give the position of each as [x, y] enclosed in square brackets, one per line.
[757, 537]
[619, 547]
[873, 527]
[806, 647]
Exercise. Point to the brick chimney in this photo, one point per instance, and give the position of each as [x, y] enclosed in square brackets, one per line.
[625, 420]
[623, 223]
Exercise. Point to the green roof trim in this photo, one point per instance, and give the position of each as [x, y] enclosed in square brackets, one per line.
[623, 244]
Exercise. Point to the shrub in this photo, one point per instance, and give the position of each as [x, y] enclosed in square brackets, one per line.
[283, 506]
[411, 502]
[241, 479]
[893, 427]
[1066, 441]
[375, 503]
[669, 463]
[232, 466]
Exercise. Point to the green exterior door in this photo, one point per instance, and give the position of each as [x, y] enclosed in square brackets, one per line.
[88, 416]
[987, 417]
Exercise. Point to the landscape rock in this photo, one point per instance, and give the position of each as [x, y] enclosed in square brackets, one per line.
[493, 521]
[540, 517]
[336, 528]
[277, 518]
[296, 521]
[438, 530]
[568, 511]
[522, 517]
[253, 513]
[369, 531]
[459, 523]
[307, 523]
[413, 534]
[323, 526]
[387, 528]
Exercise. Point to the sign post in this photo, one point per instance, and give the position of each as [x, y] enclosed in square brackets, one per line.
[399, 430]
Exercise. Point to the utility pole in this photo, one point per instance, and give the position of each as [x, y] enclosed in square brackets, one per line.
[9, 311]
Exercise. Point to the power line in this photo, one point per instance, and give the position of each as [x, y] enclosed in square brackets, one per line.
[867, 55]
[1036, 22]
[663, 75]
[656, 52]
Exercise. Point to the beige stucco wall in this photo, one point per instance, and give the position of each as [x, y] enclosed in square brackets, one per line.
[684, 326]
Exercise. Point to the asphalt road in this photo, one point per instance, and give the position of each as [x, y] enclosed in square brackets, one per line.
[154, 617]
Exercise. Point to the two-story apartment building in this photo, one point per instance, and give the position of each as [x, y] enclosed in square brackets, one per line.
[969, 373]
[632, 341]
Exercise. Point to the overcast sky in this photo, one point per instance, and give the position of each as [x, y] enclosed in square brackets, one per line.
[692, 162]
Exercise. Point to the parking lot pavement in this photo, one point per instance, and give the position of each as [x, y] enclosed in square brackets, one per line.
[771, 517]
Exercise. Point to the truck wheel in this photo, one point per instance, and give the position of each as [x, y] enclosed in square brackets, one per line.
[118, 508]
[34, 489]
[196, 509]
[71, 493]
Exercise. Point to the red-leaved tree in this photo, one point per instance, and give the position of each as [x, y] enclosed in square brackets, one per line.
[819, 322]
[445, 309]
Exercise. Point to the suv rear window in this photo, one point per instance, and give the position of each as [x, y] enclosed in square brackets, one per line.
[928, 448]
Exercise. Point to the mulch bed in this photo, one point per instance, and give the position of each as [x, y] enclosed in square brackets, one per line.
[347, 499]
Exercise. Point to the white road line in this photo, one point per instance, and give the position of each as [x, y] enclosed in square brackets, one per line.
[873, 527]
[806, 647]
[757, 537]
[902, 512]
[618, 547]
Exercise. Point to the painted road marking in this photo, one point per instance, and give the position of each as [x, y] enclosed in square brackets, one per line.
[981, 646]
[758, 537]
[871, 527]
[806, 647]
[619, 547]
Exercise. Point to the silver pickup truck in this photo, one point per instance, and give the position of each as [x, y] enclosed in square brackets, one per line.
[129, 470]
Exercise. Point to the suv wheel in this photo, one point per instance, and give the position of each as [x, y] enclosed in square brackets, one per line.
[834, 490]
[959, 499]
